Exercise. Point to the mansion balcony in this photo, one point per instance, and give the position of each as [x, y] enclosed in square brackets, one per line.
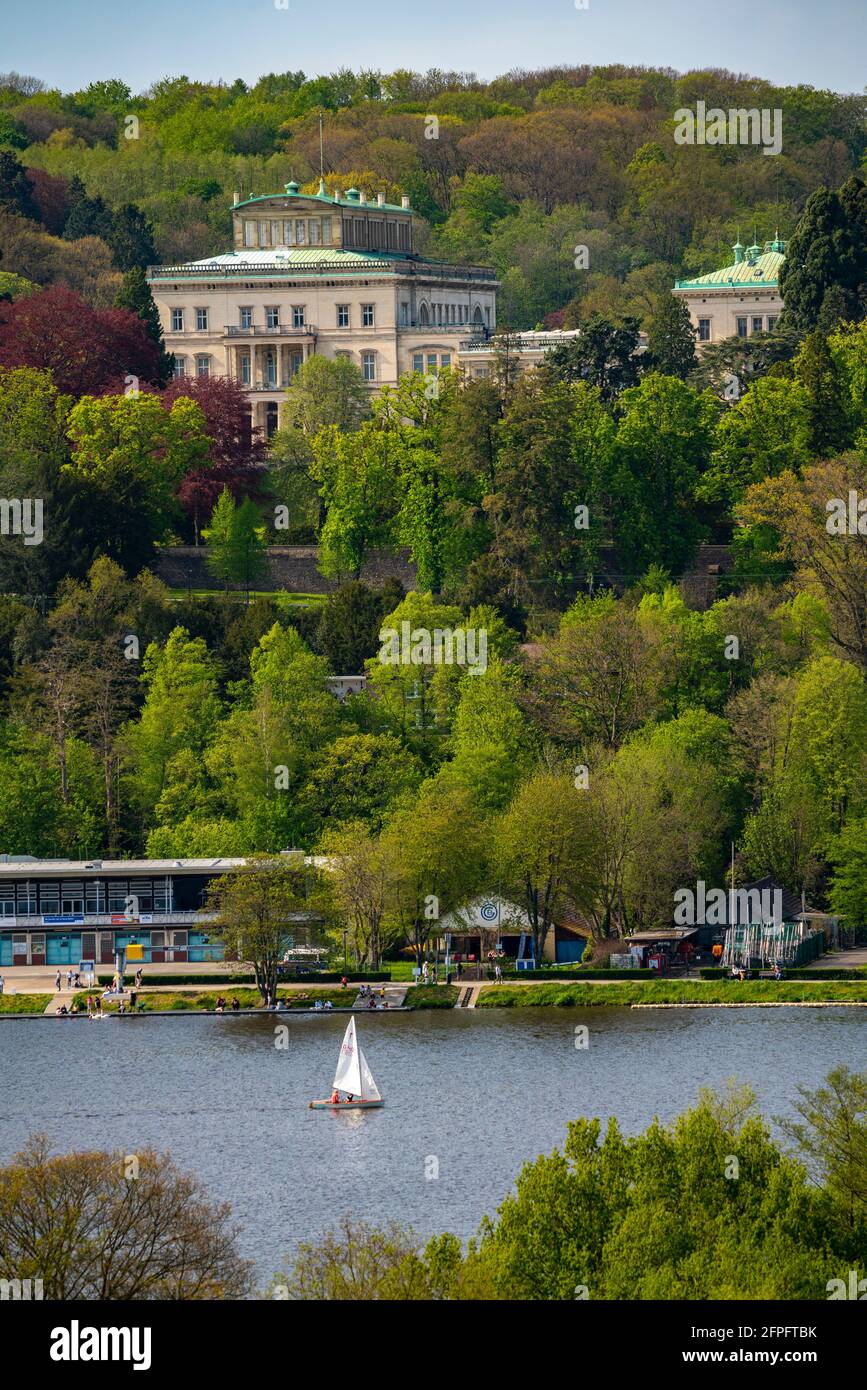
[282, 330]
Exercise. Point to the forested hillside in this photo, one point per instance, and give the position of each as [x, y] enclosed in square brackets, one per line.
[617, 741]
[512, 173]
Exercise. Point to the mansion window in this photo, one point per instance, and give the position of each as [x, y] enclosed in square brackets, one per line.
[300, 232]
[326, 231]
[203, 366]
[297, 315]
[177, 320]
[343, 316]
[246, 314]
[404, 313]
[368, 366]
[435, 361]
[202, 320]
[367, 316]
[313, 231]
[250, 234]
[272, 317]
[180, 367]
[773, 320]
[246, 376]
[263, 233]
[704, 330]
[757, 324]
[276, 233]
[741, 328]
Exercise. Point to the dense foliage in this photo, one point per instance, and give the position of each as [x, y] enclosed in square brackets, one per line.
[710, 1206]
[520, 170]
[623, 728]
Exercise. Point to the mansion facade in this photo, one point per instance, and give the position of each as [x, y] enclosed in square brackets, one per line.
[319, 273]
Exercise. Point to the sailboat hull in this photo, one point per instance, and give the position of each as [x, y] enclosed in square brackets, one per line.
[346, 1104]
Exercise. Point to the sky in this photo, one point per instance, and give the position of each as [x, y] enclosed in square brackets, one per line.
[69, 43]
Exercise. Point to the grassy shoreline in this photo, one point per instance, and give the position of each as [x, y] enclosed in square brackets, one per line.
[623, 993]
[24, 1003]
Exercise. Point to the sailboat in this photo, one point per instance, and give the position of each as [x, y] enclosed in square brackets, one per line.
[353, 1077]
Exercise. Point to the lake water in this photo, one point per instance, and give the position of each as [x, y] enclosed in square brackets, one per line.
[478, 1091]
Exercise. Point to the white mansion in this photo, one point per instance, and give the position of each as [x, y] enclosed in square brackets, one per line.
[316, 273]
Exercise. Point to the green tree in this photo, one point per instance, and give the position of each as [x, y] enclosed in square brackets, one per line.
[180, 711]
[826, 258]
[663, 443]
[434, 856]
[236, 546]
[129, 455]
[359, 777]
[604, 356]
[540, 846]
[671, 338]
[831, 1136]
[262, 908]
[135, 294]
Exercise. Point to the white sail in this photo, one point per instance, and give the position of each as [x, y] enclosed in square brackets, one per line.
[369, 1088]
[348, 1074]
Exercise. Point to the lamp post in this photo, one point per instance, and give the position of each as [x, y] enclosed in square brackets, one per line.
[344, 950]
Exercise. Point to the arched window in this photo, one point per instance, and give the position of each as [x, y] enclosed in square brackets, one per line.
[477, 314]
[423, 315]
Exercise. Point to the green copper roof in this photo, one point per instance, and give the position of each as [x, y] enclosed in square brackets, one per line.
[324, 261]
[287, 258]
[756, 271]
[292, 192]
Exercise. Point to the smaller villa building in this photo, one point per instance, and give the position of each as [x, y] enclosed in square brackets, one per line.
[739, 300]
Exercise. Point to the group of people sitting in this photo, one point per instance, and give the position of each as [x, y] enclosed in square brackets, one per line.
[220, 1006]
[367, 993]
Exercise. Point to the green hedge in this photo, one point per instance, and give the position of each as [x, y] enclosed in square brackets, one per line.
[714, 972]
[565, 974]
[323, 977]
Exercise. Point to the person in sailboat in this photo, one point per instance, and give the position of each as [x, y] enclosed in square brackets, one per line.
[335, 1097]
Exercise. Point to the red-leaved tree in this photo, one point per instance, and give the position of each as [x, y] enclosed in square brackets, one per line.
[88, 351]
[237, 450]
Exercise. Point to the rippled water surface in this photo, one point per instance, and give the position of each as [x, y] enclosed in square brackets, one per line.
[480, 1091]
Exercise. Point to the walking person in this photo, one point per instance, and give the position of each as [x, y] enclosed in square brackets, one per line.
[57, 983]
[498, 973]
[138, 978]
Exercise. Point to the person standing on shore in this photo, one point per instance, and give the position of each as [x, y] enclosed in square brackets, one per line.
[138, 978]
[57, 983]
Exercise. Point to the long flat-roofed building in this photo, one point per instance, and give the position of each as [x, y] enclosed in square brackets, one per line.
[62, 911]
[319, 273]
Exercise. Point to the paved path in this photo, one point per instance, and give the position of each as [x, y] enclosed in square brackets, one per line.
[394, 997]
